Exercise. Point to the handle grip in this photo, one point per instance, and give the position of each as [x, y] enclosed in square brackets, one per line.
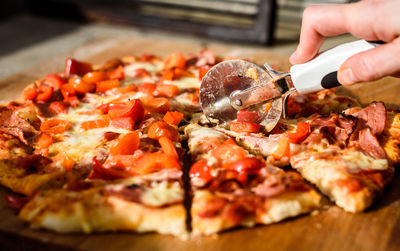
[321, 72]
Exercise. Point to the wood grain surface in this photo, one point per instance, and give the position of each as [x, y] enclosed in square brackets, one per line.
[329, 229]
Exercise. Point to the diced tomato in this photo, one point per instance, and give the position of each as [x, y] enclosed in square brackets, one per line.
[239, 176]
[94, 76]
[104, 86]
[140, 73]
[247, 116]
[16, 202]
[80, 86]
[168, 147]
[55, 80]
[159, 105]
[147, 88]
[44, 140]
[94, 124]
[30, 93]
[229, 153]
[152, 162]
[133, 109]
[176, 60]
[125, 123]
[302, 131]
[167, 75]
[58, 107]
[166, 90]
[179, 72]
[203, 70]
[126, 144]
[68, 90]
[99, 171]
[103, 108]
[230, 141]
[146, 57]
[117, 73]
[201, 170]
[45, 93]
[283, 149]
[55, 126]
[73, 66]
[162, 129]
[246, 165]
[72, 101]
[247, 127]
[173, 118]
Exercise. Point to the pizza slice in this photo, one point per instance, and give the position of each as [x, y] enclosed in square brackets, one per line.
[348, 156]
[234, 188]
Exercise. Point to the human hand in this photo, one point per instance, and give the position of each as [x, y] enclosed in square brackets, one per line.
[370, 20]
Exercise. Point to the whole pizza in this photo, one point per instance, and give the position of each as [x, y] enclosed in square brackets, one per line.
[124, 146]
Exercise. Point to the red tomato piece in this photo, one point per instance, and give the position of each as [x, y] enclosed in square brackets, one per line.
[203, 71]
[45, 93]
[159, 105]
[104, 86]
[201, 170]
[126, 144]
[117, 73]
[168, 147]
[16, 202]
[43, 141]
[133, 109]
[147, 57]
[94, 76]
[302, 131]
[152, 162]
[176, 60]
[166, 90]
[244, 127]
[283, 149]
[162, 129]
[173, 118]
[54, 126]
[94, 124]
[55, 80]
[58, 107]
[247, 116]
[80, 86]
[125, 123]
[73, 66]
[30, 93]
[147, 88]
[246, 165]
[68, 90]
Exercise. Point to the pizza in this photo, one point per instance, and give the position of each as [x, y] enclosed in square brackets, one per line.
[124, 146]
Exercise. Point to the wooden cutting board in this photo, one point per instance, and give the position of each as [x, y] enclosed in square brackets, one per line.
[330, 229]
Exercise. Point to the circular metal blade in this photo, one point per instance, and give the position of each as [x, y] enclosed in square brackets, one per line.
[223, 79]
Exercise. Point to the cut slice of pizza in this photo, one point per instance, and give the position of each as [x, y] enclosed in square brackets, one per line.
[149, 203]
[349, 156]
[234, 188]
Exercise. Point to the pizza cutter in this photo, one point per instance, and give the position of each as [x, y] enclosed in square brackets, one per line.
[234, 85]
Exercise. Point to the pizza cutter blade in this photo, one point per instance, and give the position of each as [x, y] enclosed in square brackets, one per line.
[224, 80]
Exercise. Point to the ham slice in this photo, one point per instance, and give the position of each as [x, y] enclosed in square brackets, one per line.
[374, 117]
[370, 144]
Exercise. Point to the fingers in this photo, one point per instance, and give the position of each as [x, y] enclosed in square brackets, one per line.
[371, 65]
[319, 21]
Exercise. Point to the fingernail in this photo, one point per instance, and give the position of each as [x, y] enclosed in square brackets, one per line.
[346, 77]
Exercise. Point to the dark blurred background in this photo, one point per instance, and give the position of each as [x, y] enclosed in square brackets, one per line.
[33, 30]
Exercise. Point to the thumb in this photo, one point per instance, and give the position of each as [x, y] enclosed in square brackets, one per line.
[371, 65]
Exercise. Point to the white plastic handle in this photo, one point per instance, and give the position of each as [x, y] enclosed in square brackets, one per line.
[321, 72]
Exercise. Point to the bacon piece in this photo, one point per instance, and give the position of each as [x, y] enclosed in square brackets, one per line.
[374, 117]
[14, 125]
[213, 207]
[370, 144]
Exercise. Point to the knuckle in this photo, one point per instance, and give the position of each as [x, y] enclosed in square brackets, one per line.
[365, 69]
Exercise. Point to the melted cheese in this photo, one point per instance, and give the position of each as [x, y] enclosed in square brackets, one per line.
[163, 193]
[356, 160]
[185, 83]
[148, 66]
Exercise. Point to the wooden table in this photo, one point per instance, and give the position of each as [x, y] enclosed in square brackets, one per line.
[330, 229]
